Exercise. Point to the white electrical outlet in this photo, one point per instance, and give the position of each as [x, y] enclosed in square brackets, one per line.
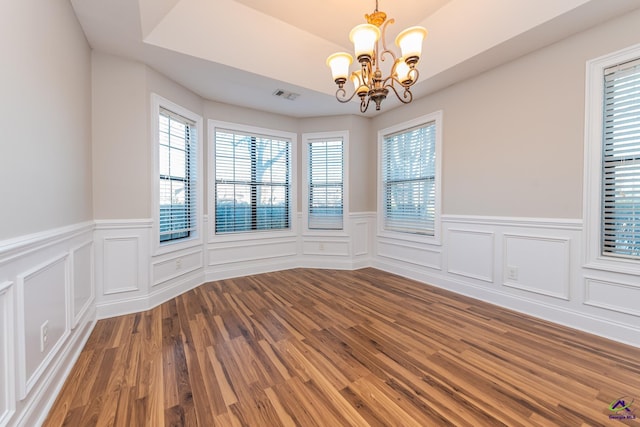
[512, 273]
[44, 336]
[178, 263]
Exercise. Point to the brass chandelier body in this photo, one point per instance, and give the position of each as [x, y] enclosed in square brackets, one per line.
[369, 82]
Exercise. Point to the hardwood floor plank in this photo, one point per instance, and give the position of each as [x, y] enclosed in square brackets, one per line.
[152, 381]
[387, 405]
[94, 406]
[439, 398]
[302, 406]
[283, 415]
[207, 382]
[335, 348]
[275, 360]
[68, 394]
[222, 379]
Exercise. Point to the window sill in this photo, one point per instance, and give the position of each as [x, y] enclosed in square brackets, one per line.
[409, 237]
[178, 245]
[252, 235]
[614, 265]
[324, 233]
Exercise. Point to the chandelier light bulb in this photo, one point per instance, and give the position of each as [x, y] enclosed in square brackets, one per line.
[339, 64]
[410, 43]
[358, 85]
[364, 38]
[402, 71]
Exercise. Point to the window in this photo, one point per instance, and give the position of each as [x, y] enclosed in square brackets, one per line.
[176, 178]
[252, 181]
[621, 161]
[612, 161]
[177, 154]
[177, 167]
[410, 177]
[325, 181]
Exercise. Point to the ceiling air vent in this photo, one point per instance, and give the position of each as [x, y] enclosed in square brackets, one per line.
[281, 93]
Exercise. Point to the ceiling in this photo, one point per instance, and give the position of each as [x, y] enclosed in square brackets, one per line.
[242, 51]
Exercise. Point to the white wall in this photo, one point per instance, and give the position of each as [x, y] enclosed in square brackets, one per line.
[121, 164]
[46, 232]
[362, 155]
[45, 111]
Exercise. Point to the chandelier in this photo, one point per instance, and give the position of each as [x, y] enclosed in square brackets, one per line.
[368, 82]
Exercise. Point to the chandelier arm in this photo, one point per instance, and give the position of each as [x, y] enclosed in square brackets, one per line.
[383, 29]
[406, 97]
[392, 79]
[415, 75]
[364, 104]
[388, 52]
[380, 56]
[365, 75]
[341, 95]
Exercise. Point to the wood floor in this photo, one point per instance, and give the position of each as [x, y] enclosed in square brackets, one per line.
[342, 348]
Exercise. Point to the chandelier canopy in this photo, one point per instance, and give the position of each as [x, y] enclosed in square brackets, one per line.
[368, 82]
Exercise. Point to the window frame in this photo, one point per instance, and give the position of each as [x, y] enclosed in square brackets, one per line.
[211, 169]
[593, 157]
[437, 118]
[307, 139]
[195, 238]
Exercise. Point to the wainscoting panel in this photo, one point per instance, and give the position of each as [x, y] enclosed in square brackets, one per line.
[537, 264]
[83, 284]
[325, 247]
[177, 264]
[42, 312]
[470, 253]
[409, 252]
[623, 298]
[39, 275]
[223, 254]
[122, 266]
[361, 226]
[121, 261]
[7, 369]
[345, 249]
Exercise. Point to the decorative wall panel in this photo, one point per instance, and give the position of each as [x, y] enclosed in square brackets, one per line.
[83, 284]
[471, 254]
[42, 318]
[623, 298]
[121, 263]
[537, 264]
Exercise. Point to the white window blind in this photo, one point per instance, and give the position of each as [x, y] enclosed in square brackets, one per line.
[178, 172]
[621, 161]
[326, 186]
[252, 187]
[408, 180]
